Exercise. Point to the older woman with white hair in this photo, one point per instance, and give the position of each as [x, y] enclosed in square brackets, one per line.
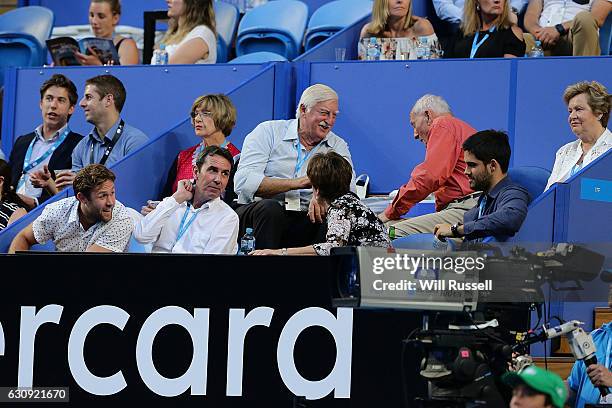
[271, 179]
[588, 106]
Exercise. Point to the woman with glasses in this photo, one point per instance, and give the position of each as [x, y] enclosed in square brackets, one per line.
[213, 117]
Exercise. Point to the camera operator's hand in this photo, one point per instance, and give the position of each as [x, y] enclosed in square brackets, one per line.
[599, 375]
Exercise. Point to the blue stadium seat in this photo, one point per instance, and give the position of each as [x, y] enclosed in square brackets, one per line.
[332, 17]
[277, 26]
[422, 241]
[226, 19]
[257, 58]
[533, 178]
[23, 33]
[605, 36]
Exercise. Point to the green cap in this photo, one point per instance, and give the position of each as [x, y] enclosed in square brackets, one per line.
[540, 380]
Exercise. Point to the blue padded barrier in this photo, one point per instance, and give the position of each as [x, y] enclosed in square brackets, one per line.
[541, 126]
[157, 97]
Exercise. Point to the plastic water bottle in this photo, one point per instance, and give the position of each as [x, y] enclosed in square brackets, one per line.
[423, 51]
[247, 242]
[372, 52]
[160, 56]
[536, 51]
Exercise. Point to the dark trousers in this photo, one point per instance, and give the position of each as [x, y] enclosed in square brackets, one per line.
[274, 227]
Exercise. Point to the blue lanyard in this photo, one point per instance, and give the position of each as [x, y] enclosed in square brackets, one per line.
[482, 205]
[608, 353]
[300, 162]
[575, 169]
[476, 44]
[184, 227]
[27, 166]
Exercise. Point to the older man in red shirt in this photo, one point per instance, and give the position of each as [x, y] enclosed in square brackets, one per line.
[442, 172]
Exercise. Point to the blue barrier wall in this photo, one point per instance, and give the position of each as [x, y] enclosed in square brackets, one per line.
[157, 97]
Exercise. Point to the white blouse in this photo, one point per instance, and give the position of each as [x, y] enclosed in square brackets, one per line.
[207, 35]
[568, 155]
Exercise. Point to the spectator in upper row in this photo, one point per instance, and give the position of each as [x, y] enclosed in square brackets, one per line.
[451, 12]
[103, 18]
[50, 144]
[110, 140]
[91, 221]
[566, 27]
[191, 37]
[441, 173]
[487, 31]
[273, 167]
[11, 206]
[213, 117]
[588, 105]
[502, 207]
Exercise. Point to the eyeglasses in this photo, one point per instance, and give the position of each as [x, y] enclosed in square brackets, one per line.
[202, 114]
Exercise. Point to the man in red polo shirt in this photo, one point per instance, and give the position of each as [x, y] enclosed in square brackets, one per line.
[441, 173]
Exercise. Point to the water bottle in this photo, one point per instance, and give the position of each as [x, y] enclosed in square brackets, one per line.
[536, 51]
[160, 56]
[247, 242]
[372, 52]
[423, 51]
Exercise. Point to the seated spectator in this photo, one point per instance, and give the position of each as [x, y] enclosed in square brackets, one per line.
[273, 167]
[588, 104]
[110, 140]
[534, 387]
[11, 206]
[502, 207]
[213, 117]
[91, 221]
[487, 31]
[566, 28]
[584, 382]
[394, 19]
[195, 219]
[442, 172]
[349, 222]
[451, 12]
[191, 37]
[50, 144]
[103, 18]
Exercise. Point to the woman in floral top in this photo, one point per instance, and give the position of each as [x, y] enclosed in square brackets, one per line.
[349, 222]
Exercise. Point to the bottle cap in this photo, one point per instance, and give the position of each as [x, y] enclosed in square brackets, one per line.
[538, 43]
[249, 231]
[162, 46]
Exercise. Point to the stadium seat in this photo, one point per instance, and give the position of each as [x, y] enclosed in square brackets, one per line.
[605, 36]
[423, 241]
[226, 18]
[23, 33]
[257, 58]
[277, 26]
[333, 17]
[532, 178]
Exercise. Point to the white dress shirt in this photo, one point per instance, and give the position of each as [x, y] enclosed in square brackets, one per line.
[557, 11]
[271, 150]
[214, 229]
[60, 222]
[452, 10]
[568, 155]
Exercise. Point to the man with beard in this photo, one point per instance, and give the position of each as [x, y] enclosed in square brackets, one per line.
[194, 219]
[50, 145]
[273, 163]
[502, 207]
[91, 221]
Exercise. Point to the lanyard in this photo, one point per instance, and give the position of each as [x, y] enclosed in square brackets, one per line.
[300, 162]
[482, 205]
[575, 169]
[184, 227]
[608, 353]
[27, 165]
[110, 146]
[476, 44]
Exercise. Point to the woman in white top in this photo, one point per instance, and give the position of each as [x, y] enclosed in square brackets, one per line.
[588, 104]
[394, 19]
[191, 36]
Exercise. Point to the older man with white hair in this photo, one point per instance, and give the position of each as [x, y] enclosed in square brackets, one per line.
[271, 181]
[442, 172]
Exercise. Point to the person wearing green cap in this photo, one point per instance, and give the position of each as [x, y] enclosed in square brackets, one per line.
[534, 387]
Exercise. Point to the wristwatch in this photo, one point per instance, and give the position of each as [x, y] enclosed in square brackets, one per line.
[561, 29]
[283, 251]
[454, 230]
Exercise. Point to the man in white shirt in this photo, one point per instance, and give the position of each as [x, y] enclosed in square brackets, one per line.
[91, 221]
[566, 27]
[194, 219]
